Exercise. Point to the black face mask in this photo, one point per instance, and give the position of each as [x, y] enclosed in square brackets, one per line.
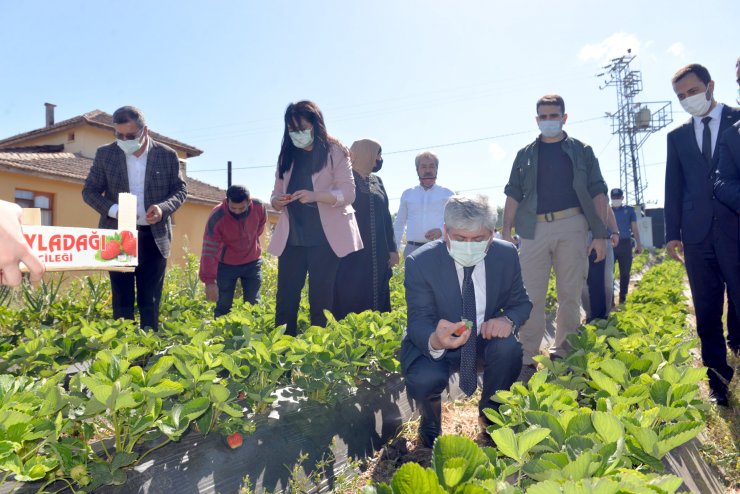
[378, 165]
[240, 215]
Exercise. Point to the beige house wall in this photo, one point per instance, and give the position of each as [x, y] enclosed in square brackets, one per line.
[69, 209]
[87, 140]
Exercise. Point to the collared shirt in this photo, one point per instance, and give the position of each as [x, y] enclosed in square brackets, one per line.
[716, 115]
[136, 171]
[625, 215]
[479, 283]
[421, 210]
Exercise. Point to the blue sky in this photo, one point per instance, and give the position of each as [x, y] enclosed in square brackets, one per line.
[411, 74]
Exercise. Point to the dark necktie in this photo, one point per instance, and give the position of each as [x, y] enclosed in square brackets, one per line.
[706, 140]
[468, 367]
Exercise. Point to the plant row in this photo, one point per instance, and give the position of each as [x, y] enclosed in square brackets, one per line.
[600, 420]
[83, 397]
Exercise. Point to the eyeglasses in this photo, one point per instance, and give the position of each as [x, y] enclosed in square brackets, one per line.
[550, 116]
[129, 137]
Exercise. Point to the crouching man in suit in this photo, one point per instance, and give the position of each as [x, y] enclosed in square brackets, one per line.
[465, 275]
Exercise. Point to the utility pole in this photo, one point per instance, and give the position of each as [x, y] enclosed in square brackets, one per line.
[633, 122]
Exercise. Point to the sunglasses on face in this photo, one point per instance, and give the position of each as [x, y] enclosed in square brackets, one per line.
[129, 137]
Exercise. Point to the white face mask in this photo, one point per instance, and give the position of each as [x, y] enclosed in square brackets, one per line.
[129, 147]
[468, 253]
[697, 105]
[301, 139]
[550, 128]
[616, 203]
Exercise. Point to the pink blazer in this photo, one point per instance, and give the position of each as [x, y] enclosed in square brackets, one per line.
[338, 220]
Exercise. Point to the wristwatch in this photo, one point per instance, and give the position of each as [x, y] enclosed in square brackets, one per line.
[514, 327]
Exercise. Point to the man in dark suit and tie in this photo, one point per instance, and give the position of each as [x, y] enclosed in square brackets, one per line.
[727, 190]
[138, 164]
[696, 220]
[466, 275]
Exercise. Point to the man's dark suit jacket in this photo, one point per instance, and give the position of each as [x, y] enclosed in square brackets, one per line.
[163, 186]
[727, 188]
[689, 185]
[433, 293]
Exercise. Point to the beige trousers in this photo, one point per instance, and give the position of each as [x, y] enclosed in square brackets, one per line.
[560, 244]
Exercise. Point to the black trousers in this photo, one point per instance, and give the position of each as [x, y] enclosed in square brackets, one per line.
[501, 359]
[148, 279]
[227, 275]
[623, 256]
[728, 256]
[320, 263]
[708, 283]
[596, 291]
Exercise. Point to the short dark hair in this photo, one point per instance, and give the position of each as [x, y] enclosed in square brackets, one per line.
[693, 68]
[551, 99]
[616, 193]
[237, 193]
[127, 114]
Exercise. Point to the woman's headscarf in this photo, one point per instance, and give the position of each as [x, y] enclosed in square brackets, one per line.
[364, 153]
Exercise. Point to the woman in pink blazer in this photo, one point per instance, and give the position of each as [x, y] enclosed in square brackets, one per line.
[314, 189]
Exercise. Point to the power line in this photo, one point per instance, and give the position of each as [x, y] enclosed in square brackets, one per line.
[400, 151]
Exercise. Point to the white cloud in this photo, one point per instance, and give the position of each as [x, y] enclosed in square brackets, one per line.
[498, 153]
[614, 46]
[677, 49]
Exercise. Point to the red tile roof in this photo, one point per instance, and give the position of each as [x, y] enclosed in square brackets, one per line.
[95, 118]
[75, 168]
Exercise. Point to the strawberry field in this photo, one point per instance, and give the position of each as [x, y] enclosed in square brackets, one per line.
[85, 399]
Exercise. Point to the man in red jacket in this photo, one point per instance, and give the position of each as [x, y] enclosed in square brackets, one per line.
[231, 249]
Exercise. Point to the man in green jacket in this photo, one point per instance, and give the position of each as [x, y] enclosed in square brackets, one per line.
[555, 195]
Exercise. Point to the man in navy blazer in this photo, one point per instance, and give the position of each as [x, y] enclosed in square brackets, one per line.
[696, 221]
[138, 164]
[727, 190]
[430, 350]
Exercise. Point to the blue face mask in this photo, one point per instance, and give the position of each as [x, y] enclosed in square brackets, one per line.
[550, 128]
[468, 253]
[302, 138]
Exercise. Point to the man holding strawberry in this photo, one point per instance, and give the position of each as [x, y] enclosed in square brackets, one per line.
[466, 301]
[137, 164]
[231, 249]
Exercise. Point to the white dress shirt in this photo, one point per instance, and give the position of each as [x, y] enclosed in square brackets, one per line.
[136, 171]
[479, 283]
[716, 115]
[421, 210]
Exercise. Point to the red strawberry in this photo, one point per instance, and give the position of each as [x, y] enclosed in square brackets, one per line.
[465, 325]
[235, 440]
[111, 250]
[241, 396]
[128, 244]
[125, 234]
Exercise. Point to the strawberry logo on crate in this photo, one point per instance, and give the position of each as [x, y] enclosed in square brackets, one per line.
[123, 243]
[128, 243]
[110, 251]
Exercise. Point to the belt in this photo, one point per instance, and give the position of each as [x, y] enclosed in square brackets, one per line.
[559, 215]
[418, 244]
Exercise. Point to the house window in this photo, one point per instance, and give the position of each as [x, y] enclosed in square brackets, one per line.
[71, 137]
[42, 200]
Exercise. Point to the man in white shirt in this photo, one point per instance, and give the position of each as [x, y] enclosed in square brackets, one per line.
[422, 207]
[697, 225]
[467, 275]
[138, 164]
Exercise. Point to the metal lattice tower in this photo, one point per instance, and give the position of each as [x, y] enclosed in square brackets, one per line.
[633, 122]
